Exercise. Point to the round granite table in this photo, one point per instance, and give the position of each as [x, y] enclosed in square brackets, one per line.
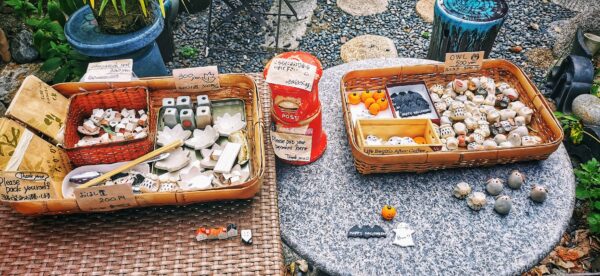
[320, 202]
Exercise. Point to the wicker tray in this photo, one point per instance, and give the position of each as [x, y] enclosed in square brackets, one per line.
[232, 86]
[149, 241]
[543, 122]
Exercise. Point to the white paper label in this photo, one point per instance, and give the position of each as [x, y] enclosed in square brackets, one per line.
[291, 147]
[105, 198]
[196, 79]
[109, 71]
[292, 73]
[464, 62]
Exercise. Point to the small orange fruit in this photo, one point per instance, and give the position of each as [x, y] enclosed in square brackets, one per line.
[366, 95]
[354, 98]
[374, 108]
[379, 94]
[388, 212]
[420, 140]
[369, 102]
[383, 103]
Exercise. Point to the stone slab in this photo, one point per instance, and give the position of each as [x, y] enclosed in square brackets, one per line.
[320, 202]
[368, 47]
[363, 8]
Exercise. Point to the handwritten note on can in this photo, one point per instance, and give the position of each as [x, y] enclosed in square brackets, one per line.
[196, 79]
[105, 198]
[22, 186]
[292, 147]
[292, 73]
[463, 62]
[109, 71]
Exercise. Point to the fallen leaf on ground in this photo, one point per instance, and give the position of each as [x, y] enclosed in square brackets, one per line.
[570, 254]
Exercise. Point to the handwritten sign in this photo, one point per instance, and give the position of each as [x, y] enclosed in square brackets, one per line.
[292, 147]
[196, 79]
[463, 62]
[112, 71]
[292, 73]
[21, 186]
[105, 198]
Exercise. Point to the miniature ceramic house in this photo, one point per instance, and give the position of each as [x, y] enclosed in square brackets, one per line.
[203, 100]
[184, 102]
[203, 116]
[168, 102]
[186, 117]
[170, 117]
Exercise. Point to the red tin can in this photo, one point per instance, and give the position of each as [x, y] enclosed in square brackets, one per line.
[295, 105]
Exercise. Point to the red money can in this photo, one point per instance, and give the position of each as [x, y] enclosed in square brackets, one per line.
[295, 107]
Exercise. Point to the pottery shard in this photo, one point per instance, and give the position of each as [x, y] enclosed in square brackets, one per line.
[425, 10]
[367, 47]
[4, 51]
[587, 107]
[363, 8]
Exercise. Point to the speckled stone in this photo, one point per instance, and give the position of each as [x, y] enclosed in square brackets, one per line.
[587, 107]
[319, 202]
[362, 8]
[368, 47]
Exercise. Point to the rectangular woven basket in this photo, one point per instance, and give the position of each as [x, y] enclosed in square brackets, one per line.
[543, 122]
[232, 86]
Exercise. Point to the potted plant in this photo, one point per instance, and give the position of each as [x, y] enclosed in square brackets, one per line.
[125, 16]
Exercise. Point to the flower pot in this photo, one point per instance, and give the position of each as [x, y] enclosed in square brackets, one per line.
[194, 6]
[113, 22]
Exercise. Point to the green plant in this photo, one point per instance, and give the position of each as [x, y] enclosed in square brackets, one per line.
[22, 8]
[596, 85]
[71, 65]
[188, 52]
[588, 188]
[121, 5]
[572, 124]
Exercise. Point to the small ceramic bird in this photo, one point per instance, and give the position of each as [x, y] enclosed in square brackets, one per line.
[462, 190]
[515, 180]
[476, 201]
[538, 193]
[494, 186]
[503, 204]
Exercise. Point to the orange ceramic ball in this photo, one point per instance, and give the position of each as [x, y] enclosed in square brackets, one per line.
[383, 103]
[354, 98]
[388, 212]
[366, 95]
[420, 140]
[379, 95]
[374, 109]
[369, 102]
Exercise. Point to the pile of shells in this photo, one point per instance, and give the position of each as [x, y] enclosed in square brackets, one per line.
[480, 114]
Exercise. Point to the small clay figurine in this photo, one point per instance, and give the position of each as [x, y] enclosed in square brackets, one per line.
[388, 212]
[247, 236]
[494, 186]
[462, 190]
[515, 180]
[538, 193]
[206, 233]
[403, 236]
[503, 204]
[476, 201]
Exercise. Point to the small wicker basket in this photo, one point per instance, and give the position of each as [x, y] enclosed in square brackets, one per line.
[543, 123]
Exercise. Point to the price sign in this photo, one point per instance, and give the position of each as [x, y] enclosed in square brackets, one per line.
[109, 71]
[463, 62]
[196, 79]
[105, 198]
[20, 186]
[292, 147]
[292, 73]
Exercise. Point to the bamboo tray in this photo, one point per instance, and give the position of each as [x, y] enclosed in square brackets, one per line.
[232, 86]
[543, 122]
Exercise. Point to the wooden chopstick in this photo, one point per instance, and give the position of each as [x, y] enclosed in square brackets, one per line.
[131, 164]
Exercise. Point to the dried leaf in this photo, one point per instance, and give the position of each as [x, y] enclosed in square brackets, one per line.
[565, 265]
[569, 254]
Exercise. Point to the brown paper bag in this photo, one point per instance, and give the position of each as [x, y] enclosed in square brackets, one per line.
[23, 151]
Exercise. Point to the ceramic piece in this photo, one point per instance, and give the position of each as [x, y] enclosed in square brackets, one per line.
[366, 232]
[511, 93]
[396, 140]
[521, 130]
[474, 146]
[206, 162]
[388, 212]
[520, 121]
[170, 117]
[494, 186]
[195, 180]
[476, 137]
[452, 143]
[531, 140]
[228, 124]
[446, 131]
[183, 102]
[461, 190]
[462, 140]
[227, 159]
[483, 127]
[440, 107]
[169, 187]
[373, 140]
[538, 193]
[490, 100]
[150, 184]
[489, 144]
[514, 139]
[515, 180]
[516, 106]
[202, 138]
[240, 137]
[503, 205]
[445, 120]
[403, 236]
[247, 236]
[476, 201]
[471, 123]
[238, 175]
[459, 86]
[203, 100]
[203, 116]
[493, 116]
[460, 128]
[178, 159]
[470, 95]
[169, 135]
[435, 98]
[500, 138]
[506, 114]
[527, 113]
[505, 144]
[170, 102]
[437, 89]
[187, 119]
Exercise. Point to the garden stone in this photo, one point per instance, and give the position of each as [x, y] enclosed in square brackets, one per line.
[11, 77]
[4, 52]
[587, 107]
[11, 24]
[363, 8]
[578, 5]
[367, 47]
[425, 10]
[21, 47]
[587, 21]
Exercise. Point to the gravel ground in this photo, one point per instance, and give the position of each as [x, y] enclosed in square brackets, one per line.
[330, 26]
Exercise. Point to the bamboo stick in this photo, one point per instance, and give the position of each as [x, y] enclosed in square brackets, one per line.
[131, 164]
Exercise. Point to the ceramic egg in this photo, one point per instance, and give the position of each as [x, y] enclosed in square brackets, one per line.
[476, 201]
[538, 193]
[494, 186]
[503, 204]
[515, 180]
[462, 190]
[500, 138]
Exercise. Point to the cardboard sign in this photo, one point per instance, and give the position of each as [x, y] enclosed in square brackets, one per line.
[292, 147]
[196, 79]
[463, 62]
[109, 71]
[292, 73]
[20, 186]
[105, 198]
